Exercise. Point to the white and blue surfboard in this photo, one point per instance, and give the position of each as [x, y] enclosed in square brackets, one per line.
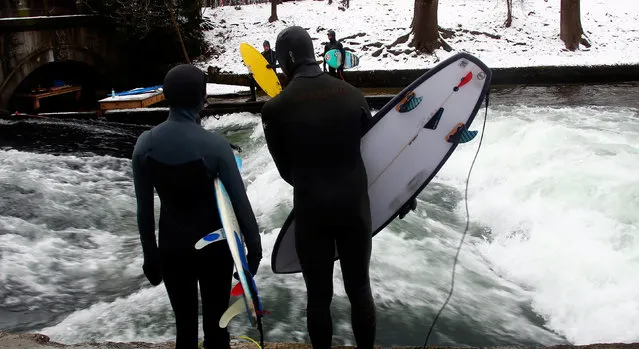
[407, 143]
[230, 232]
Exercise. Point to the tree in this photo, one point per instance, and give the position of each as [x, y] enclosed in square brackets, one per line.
[273, 17]
[425, 29]
[509, 16]
[571, 32]
[155, 33]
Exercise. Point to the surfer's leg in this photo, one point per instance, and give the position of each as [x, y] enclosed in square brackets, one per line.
[180, 280]
[215, 271]
[332, 71]
[354, 248]
[315, 249]
[252, 87]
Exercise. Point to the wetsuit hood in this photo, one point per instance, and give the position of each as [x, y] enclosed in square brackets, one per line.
[185, 87]
[295, 53]
[331, 34]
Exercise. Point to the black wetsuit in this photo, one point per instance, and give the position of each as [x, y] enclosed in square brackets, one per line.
[333, 44]
[271, 58]
[313, 130]
[180, 159]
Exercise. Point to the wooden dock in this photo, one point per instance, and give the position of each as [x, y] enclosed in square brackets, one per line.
[51, 92]
[135, 101]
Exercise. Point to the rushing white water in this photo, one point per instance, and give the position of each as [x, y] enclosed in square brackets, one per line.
[559, 189]
[551, 256]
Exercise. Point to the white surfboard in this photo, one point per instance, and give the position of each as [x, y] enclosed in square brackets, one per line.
[231, 233]
[409, 140]
[236, 244]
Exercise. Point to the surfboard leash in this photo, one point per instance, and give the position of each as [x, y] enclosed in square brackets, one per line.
[261, 330]
[461, 242]
[259, 310]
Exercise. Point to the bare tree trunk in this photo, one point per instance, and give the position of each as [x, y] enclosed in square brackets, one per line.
[415, 10]
[571, 32]
[273, 17]
[509, 16]
[425, 27]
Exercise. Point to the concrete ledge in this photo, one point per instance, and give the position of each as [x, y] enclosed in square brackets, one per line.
[40, 341]
[49, 22]
[541, 75]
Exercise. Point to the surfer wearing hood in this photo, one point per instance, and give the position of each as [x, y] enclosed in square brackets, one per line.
[271, 60]
[269, 55]
[180, 160]
[313, 130]
[333, 44]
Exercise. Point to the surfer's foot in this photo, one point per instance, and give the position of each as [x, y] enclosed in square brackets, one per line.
[252, 99]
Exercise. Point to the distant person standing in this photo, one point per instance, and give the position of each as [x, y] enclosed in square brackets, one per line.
[271, 58]
[333, 44]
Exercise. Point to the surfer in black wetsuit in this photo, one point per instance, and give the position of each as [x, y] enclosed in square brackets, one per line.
[313, 130]
[180, 159]
[271, 58]
[333, 44]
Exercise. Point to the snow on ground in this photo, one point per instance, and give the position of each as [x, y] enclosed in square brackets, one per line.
[219, 89]
[612, 26]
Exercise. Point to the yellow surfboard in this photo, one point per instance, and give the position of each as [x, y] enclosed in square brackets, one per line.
[256, 63]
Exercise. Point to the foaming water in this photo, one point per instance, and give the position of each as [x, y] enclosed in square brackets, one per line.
[559, 190]
[550, 256]
[66, 237]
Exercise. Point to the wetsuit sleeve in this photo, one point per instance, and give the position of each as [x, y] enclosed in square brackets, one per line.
[324, 55]
[366, 117]
[230, 176]
[341, 49]
[276, 146]
[144, 197]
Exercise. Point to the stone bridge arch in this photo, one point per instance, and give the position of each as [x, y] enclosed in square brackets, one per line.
[25, 50]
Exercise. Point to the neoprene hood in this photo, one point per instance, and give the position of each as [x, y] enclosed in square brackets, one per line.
[294, 49]
[185, 86]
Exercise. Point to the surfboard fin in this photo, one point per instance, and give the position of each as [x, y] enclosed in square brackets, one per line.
[467, 136]
[460, 134]
[235, 309]
[408, 103]
[237, 290]
[215, 236]
[434, 121]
